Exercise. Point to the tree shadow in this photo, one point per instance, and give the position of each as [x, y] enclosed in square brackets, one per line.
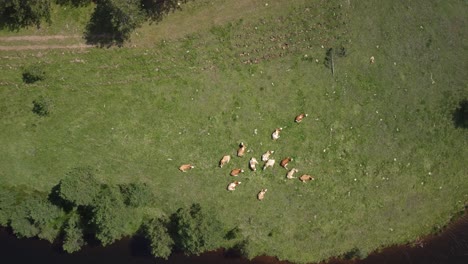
[100, 30]
[460, 115]
[157, 9]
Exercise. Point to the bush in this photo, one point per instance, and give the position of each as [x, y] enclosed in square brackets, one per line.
[33, 73]
[42, 106]
[75, 3]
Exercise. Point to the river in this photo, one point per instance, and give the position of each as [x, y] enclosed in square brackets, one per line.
[448, 247]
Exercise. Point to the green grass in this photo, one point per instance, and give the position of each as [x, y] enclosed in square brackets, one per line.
[390, 164]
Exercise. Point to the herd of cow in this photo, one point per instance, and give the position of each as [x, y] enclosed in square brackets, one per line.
[268, 162]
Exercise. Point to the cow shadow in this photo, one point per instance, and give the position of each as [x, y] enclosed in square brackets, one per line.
[460, 115]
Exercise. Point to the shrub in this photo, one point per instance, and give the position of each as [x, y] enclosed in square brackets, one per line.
[33, 73]
[79, 186]
[41, 106]
[73, 233]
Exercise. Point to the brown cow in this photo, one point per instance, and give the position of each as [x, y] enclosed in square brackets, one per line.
[284, 163]
[236, 172]
[232, 186]
[186, 167]
[241, 150]
[225, 160]
[261, 194]
[299, 118]
[306, 178]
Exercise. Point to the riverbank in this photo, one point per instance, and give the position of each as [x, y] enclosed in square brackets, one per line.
[450, 246]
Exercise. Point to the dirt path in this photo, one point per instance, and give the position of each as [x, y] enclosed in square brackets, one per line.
[34, 42]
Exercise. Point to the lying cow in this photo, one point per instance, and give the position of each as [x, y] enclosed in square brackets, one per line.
[266, 155]
[186, 167]
[252, 164]
[241, 150]
[236, 172]
[284, 163]
[299, 118]
[269, 163]
[232, 186]
[261, 194]
[225, 160]
[305, 178]
[276, 134]
[290, 174]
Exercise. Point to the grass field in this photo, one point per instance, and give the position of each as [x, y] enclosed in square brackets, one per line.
[389, 162]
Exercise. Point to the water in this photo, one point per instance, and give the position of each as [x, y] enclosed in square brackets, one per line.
[449, 247]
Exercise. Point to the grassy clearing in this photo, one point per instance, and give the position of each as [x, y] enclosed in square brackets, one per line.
[380, 138]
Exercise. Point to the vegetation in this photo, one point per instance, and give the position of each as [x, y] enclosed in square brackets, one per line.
[15, 14]
[386, 141]
[33, 73]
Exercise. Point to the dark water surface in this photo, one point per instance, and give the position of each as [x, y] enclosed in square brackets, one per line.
[449, 247]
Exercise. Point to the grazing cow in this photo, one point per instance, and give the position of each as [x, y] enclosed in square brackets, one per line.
[241, 150]
[290, 174]
[225, 160]
[276, 134]
[305, 178]
[266, 155]
[186, 167]
[372, 60]
[232, 186]
[236, 172]
[261, 194]
[253, 161]
[284, 163]
[269, 163]
[299, 118]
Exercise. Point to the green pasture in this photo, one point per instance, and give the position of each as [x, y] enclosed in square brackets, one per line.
[389, 161]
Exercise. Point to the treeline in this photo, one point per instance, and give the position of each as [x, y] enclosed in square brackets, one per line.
[112, 20]
[80, 208]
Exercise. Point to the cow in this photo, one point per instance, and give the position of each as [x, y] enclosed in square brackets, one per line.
[225, 160]
[284, 163]
[236, 172]
[269, 163]
[241, 150]
[290, 174]
[372, 60]
[261, 194]
[299, 118]
[186, 167]
[232, 186]
[276, 134]
[266, 155]
[305, 178]
[253, 161]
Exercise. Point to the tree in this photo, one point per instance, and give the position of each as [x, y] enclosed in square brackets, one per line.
[79, 186]
[111, 219]
[196, 230]
[73, 233]
[74, 3]
[36, 216]
[157, 233]
[15, 14]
